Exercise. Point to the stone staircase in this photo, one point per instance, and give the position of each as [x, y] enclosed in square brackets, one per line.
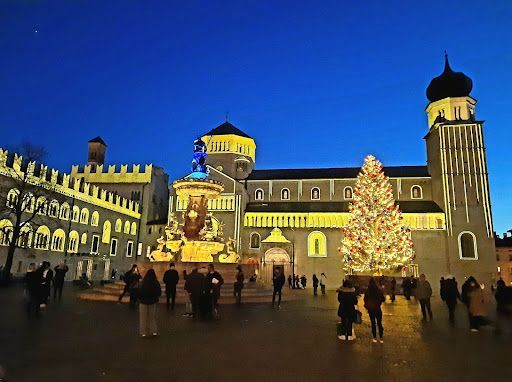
[253, 292]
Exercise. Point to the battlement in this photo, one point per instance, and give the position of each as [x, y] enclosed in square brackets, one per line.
[109, 174]
[39, 174]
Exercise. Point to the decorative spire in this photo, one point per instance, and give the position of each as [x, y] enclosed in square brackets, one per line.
[447, 67]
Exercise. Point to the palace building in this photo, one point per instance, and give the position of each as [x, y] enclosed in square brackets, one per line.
[293, 217]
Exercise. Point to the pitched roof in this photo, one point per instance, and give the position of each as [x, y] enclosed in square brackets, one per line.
[98, 140]
[227, 129]
[405, 206]
[335, 173]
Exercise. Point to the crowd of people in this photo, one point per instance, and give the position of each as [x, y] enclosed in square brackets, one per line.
[471, 295]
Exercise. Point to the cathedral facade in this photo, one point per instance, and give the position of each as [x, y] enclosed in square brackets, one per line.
[293, 217]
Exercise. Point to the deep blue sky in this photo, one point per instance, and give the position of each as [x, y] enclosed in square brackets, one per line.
[315, 83]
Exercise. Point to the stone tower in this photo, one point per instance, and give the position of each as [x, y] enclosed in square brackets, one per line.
[230, 151]
[458, 166]
[96, 152]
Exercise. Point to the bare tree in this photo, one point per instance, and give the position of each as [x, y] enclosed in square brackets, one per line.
[26, 206]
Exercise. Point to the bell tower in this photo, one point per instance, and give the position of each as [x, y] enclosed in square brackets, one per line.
[96, 153]
[457, 164]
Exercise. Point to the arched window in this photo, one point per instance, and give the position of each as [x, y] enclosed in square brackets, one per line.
[317, 244]
[126, 227]
[107, 227]
[119, 225]
[416, 192]
[259, 194]
[42, 238]
[5, 231]
[285, 194]
[25, 237]
[74, 241]
[468, 249]
[83, 239]
[315, 193]
[64, 211]
[41, 205]
[255, 240]
[12, 197]
[53, 209]
[84, 216]
[58, 240]
[133, 229]
[347, 192]
[28, 202]
[76, 213]
[95, 218]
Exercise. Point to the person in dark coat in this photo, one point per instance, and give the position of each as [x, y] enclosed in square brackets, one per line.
[46, 283]
[503, 297]
[450, 294]
[238, 285]
[290, 282]
[214, 282]
[278, 281]
[407, 287]
[373, 299]
[171, 279]
[347, 298]
[194, 286]
[131, 280]
[297, 282]
[33, 285]
[392, 289]
[58, 280]
[315, 284]
[303, 281]
[148, 294]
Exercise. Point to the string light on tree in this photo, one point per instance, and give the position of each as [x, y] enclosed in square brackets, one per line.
[376, 237]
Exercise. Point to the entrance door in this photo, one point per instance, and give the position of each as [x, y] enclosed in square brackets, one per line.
[275, 257]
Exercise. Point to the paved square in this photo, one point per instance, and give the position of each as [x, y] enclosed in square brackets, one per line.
[97, 341]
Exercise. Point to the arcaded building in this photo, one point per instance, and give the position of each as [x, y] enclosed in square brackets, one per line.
[293, 217]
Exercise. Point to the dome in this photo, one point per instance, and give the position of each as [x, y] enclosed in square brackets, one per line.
[449, 84]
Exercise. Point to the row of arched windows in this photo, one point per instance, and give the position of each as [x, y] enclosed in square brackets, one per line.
[259, 194]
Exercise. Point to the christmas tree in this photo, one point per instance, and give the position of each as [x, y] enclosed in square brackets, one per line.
[375, 238]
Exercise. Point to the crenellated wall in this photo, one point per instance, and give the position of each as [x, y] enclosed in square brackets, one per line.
[97, 174]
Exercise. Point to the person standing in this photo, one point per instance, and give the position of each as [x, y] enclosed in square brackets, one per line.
[131, 280]
[392, 289]
[473, 295]
[238, 285]
[323, 280]
[406, 287]
[450, 294]
[171, 279]
[503, 297]
[33, 285]
[46, 283]
[303, 281]
[423, 293]
[373, 299]
[194, 286]
[315, 284]
[148, 294]
[213, 283]
[278, 281]
[58, 280]
[290, 282]
[347, 299]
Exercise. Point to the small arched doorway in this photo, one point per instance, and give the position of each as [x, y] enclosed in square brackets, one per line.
[273, 258]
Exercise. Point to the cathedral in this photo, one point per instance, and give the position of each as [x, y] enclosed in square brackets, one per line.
[293, 217]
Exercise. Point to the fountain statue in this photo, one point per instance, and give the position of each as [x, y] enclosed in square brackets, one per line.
[200, 237]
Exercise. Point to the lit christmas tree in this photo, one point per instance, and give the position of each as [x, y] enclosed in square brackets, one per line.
[375, 238]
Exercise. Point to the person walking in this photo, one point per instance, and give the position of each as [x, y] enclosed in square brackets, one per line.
[392, 289]
[131, 280]
[33, 282]
[373, 299]
[297, 282]
[58, 280]
[290, 282]
[194, 286]
[238, 285]
[171, 279]
[214, 282]
[303, 281]
[46, 283]
[148, 294]
[423, 292]
[278, 283]
[406, 287]
[503, 297]
[315, 284]
[473, 296]
[323, 281]
[450, 294]
[347, 299]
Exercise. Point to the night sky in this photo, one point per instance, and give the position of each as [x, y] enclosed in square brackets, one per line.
[316, 86]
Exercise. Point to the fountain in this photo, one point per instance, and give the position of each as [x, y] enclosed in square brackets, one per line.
[199, 239]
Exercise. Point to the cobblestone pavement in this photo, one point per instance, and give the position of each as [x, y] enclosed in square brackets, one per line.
[96, 341]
